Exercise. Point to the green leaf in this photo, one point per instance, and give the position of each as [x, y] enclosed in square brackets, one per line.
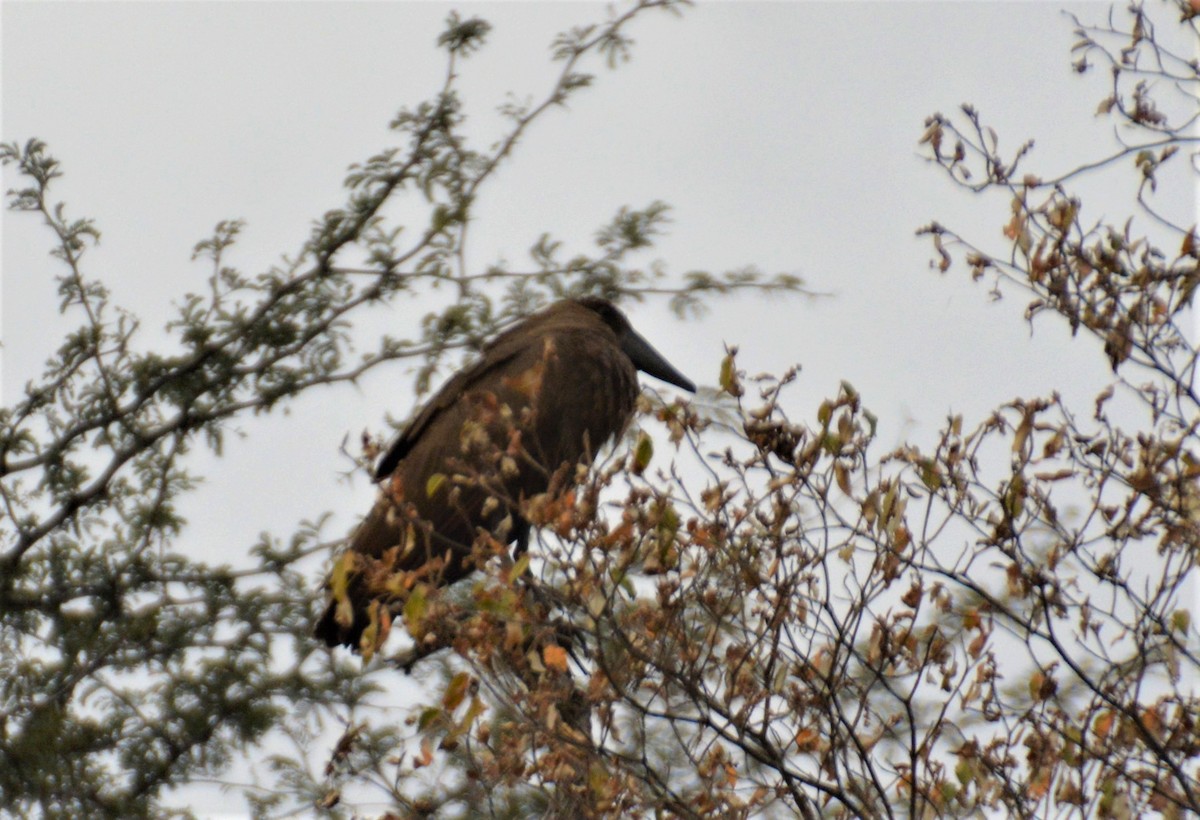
[521, 566]
[728, 379]
[642, 453]
[824, 413]
[428, 716]
[433, 484]
[414, 610]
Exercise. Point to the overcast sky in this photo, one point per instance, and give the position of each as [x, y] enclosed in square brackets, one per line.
[783, 135]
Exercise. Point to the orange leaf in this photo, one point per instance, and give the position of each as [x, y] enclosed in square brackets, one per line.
[1151, 721]
[426, 756]
[807, 740]
[555, 657]
[1040, 783]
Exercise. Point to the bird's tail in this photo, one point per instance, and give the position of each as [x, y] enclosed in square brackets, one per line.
[334, 633]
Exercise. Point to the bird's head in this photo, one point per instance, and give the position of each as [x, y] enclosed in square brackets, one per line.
[643, 355]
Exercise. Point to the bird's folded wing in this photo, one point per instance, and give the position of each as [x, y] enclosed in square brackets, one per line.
[445, 398]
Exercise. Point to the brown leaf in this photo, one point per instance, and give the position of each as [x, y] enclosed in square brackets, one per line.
[976, 646]
[1188, 247]
[842, 476]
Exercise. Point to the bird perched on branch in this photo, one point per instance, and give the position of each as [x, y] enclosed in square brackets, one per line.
[541, 400]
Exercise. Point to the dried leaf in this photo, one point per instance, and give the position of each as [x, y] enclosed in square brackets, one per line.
[456, 691]
[426, 756]
[842, 476]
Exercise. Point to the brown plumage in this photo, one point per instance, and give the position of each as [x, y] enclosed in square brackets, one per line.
[543, 397]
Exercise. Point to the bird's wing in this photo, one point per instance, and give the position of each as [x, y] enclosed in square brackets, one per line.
[451, 391]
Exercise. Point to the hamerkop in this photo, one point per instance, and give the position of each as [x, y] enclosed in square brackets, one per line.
[542, 398]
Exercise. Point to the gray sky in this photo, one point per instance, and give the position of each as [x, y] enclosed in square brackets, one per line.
[783, 134]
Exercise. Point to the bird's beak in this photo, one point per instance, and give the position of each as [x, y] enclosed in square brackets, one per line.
[648, 360]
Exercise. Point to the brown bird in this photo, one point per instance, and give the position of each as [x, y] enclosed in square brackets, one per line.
[542, 398]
